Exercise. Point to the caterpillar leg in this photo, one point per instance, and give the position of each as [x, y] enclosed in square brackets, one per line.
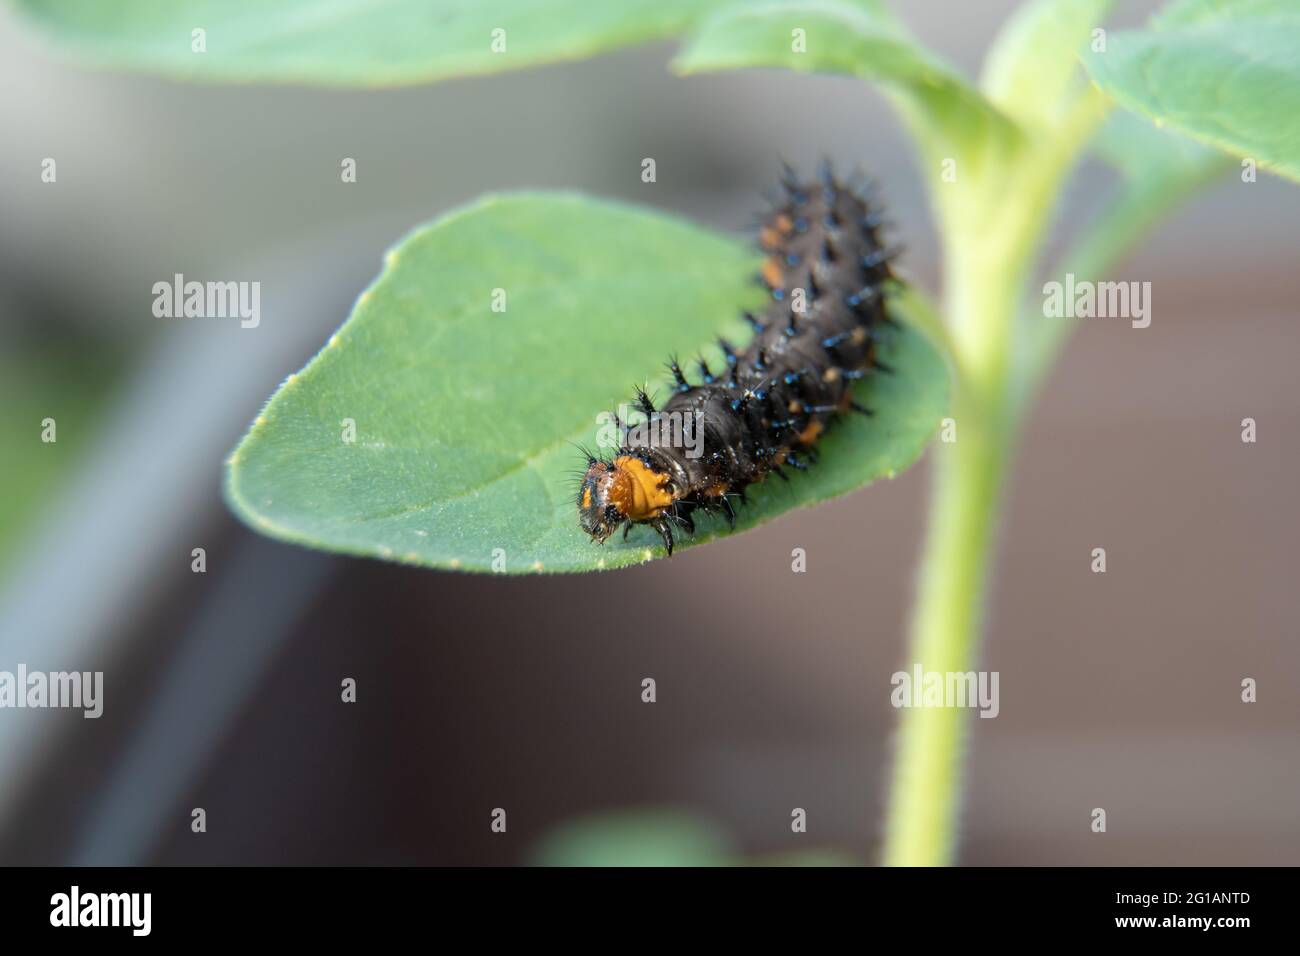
[665, 531]
[681, 513]
[731, 515]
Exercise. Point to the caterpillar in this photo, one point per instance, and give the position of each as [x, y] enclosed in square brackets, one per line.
[824, 268]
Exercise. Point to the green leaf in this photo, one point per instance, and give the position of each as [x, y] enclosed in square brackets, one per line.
[351, 42]
[1226, 73]
[463, 415]
[951, 117]
[1140, 151]
[1195, 12]
[1032, 69]
[661, 837]
[651, 837]
[70, 380]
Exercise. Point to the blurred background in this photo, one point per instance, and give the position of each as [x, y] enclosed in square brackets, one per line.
[1119, 690]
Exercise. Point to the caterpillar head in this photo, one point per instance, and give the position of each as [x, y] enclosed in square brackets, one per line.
[598, 513]
[626, 489]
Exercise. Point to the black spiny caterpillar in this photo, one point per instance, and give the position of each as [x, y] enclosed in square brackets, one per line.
[767, 408]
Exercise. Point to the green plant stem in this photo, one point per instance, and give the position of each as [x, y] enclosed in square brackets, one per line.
[963, 519]
[989, 252]
[994, 382]
[945, 637]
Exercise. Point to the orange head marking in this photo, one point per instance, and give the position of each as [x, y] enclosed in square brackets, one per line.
[626, 489]
[641, 493]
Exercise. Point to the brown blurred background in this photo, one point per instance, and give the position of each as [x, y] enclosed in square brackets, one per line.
[1119, 690]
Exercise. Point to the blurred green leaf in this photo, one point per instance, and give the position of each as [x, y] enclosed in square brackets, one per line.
[69, 380]
[661, 837]
[819, 857]
[351, 42]
[822, 36]
[1032, 69]
[635, 838]
[1140, 151]
[464, 416]
[1226, 72]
